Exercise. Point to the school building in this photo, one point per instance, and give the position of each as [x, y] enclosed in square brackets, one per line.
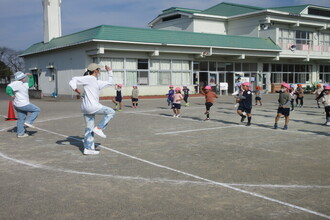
[192, 47]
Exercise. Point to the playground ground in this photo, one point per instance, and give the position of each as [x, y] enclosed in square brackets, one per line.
[154, 166]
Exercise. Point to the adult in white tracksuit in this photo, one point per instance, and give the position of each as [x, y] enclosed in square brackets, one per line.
[91, 106]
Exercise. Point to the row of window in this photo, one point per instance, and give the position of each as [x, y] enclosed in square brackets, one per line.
[129, 71]
[298, 37]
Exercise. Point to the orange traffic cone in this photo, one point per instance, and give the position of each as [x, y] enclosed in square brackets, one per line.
[11, 112]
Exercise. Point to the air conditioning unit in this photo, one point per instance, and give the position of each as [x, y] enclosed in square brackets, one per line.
[293, 47]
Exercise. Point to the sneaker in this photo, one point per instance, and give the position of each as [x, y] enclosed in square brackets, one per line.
[285, 127]
[248, 124]
[119, 110]
[236, 105]
[174, 116]
[187, 104]
[29, 125]
[328, 123]
[178, 116]
[99, 132]
[23, 135]
[90, 152]
[275, 126]
[235, 93]
[243, 118]
[206, 119]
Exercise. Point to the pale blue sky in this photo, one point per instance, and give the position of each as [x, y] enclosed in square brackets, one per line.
[21, 20]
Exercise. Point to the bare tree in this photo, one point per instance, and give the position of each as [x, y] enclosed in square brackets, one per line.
[12, 59]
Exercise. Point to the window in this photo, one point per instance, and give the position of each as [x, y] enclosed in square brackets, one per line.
[325, 42]
[140, 75]
[324, 76]
[304, 37]
[290, 73]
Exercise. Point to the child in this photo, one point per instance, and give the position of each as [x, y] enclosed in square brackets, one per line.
[245, 103]
[186, 95]
[238, 91]
[326, 102]
[283, 108]
[170, 96]
[135, 96]
[209, 100]
[118, 99]
[176, 106]
[317, 92]
[292, 95]
[258, 95]
[300, 95]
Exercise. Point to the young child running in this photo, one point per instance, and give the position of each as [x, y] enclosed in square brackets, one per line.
[245, 103]
[91, 106]
[209, 100]
[300, 95]
[135, 96]
[258, 95]
[293, 96]
[118, 99]
[185, 95]
[176, 106]
[284, 105]
[170, 96]
[326, 102]
[317, 92]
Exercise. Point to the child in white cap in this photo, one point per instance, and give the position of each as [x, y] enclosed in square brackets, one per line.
[283, 105]
[19, 90]
[91, 106]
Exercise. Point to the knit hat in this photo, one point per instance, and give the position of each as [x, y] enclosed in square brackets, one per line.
[93, 66]
[171, 86]
[177, 89]
[246, 84]
[208, 87]
[19, 75]
[327, 88]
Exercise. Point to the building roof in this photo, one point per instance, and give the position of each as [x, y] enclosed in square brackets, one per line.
[226, 9]
[185, 10]
[119, 34]
[230, 9]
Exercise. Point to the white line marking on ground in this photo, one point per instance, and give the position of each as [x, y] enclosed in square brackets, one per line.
[204, 179]
[157, 180]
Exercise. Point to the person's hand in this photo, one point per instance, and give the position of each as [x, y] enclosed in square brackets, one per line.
[77, 91]
[107, 68]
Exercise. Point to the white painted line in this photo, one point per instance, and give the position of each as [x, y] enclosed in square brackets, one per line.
[157, 180]
[200, 129]
[204, 179]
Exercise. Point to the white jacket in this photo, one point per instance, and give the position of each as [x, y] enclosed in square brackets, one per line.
[90, 103]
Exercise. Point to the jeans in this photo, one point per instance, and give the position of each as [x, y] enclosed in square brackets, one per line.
[90, 119]
[22, 113]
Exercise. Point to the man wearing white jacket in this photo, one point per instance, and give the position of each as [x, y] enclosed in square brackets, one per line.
[91, 106]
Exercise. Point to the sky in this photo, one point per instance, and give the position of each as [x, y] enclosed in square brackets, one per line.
[21, 21]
